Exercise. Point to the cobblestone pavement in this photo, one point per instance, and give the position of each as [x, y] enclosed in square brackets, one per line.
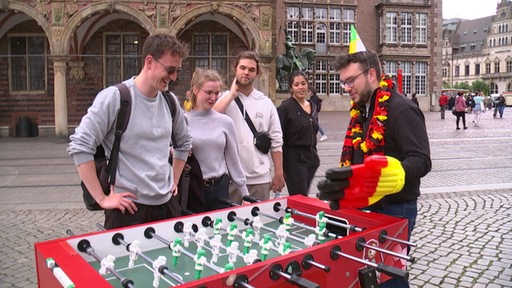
[463, 232]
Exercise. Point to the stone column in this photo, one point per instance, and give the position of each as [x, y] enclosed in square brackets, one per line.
[60, 98]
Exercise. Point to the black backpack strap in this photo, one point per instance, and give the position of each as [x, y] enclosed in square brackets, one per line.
[123, 117]
[171, 101]
[247, 118]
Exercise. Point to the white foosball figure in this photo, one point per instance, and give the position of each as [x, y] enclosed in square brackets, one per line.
[160, 261]
[134, 250]
[201, 236]
[282, 234]
[310, 240]
[106, 264]
[215, 243]
[232, 252]
[256, 227]
[187, 233]
[251, 256]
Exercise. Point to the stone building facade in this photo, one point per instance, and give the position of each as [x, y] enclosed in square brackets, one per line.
[55, 55]
[479, 49]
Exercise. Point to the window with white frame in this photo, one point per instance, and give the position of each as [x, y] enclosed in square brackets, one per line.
[348, 19]
[27, 63]
[292, 25]
[421, 78]
[321, 33]
[391, 68]
[421, 28]
[334, 82]
[406, 77]
[321, 70]
[307, 32]
[320, 13]
[406, 28]
[122, 59]
[335, 26]
[391, 27]
[496, 67]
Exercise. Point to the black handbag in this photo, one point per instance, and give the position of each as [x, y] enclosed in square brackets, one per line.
[261, 140]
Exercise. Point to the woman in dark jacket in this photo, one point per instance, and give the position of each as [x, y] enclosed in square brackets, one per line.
[299, 122]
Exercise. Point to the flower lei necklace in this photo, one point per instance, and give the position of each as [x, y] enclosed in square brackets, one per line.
[374, 140]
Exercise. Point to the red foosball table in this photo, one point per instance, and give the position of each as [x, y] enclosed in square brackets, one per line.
[293, 241]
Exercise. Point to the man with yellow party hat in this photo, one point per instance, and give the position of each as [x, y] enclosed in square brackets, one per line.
[386, 149]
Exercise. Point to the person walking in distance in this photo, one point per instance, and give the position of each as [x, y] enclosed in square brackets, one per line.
[443, 103]
[460, 109]
[263, 114]
[479, 108]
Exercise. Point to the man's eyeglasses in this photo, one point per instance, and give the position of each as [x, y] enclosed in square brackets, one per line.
[170, 69]
[210, 93]
[350, 82]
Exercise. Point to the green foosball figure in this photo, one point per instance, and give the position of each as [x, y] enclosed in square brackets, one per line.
[200, 260]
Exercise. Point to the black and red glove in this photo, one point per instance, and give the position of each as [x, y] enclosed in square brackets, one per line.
[361, 185]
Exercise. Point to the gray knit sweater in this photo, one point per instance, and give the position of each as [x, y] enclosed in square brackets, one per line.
[214, 145]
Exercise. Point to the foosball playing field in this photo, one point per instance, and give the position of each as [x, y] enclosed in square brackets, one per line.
[288, 242]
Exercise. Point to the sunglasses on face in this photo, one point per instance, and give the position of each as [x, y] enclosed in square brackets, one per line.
[170, 69]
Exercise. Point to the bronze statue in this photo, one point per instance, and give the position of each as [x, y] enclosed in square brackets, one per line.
[291, 61]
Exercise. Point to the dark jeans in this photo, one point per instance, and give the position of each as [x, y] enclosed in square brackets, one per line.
[145, 213]
[408, 210]
[461, 114]
[212, 194]
[299, 166]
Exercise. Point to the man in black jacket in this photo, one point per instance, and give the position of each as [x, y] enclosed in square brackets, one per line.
[383, 124]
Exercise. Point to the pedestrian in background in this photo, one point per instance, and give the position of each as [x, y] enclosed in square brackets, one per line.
[443, 103]
[313, 97]
[415, 99]
[460, 109]
[214, 142]
[479, 108]
[500, 106]
[299, 122]
[470, 103]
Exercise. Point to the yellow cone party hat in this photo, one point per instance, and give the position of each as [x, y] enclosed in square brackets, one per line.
[356, 45]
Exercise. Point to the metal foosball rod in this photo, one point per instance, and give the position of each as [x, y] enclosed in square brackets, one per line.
[118, 239]
[361, 242]
[383, 236]
[151, 234]
[388, 270]
[256, 212]
[277, 207]
[84, 246]
[240, 281]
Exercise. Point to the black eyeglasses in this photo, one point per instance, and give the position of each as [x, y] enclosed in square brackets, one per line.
[350, 81]
[170, 69]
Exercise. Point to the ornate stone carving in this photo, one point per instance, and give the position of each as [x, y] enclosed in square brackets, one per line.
[77, 70]
[266, 18]
[162, 16]
[57, 34]
[57, 13]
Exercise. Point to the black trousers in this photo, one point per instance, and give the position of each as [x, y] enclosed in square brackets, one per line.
[145, 213]
[299, 166]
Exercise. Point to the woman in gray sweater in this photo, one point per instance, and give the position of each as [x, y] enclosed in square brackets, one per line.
[213, 140]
